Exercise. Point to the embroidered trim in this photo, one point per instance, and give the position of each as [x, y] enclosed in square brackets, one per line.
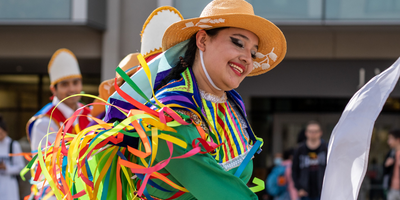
[213, 98]
[271, 55]
[188, 83]
[170, 83]
[235, 162]
[194, 118]
[202, 23]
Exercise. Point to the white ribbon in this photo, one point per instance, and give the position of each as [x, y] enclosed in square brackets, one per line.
[350, 141]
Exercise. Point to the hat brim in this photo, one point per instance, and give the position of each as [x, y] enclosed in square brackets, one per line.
[271, 38]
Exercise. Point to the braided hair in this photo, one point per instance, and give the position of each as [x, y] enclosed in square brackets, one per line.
[188, 60]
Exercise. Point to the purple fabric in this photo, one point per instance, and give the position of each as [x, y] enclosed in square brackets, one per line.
[114, 113]
[242, 105]
[160, 76]
[236, 96]
[100, 116]
[176, 98]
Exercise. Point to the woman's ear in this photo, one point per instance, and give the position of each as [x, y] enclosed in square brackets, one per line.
[201, 38]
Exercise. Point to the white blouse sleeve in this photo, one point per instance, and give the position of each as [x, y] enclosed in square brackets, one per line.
[39, 131]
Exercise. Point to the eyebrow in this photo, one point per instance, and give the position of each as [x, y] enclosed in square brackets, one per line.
[244, 37]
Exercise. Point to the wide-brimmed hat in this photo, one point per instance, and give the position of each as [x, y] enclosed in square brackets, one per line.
[238, 14]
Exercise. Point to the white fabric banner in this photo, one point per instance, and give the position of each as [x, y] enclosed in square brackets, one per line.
[349, 144]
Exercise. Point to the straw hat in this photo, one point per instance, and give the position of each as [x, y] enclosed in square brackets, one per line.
[153, 28]
[63, 65]
[238, 14]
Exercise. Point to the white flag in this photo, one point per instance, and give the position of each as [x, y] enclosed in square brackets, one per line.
[349, 144]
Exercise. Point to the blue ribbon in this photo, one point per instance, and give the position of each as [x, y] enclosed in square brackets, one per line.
[246, 160]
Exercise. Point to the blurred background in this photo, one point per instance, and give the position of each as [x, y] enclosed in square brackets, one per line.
[334, 48]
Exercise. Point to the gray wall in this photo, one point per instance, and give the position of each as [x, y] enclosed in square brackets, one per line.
[313, 78]
[125, 19]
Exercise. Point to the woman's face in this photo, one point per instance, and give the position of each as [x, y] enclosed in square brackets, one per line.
[228, 56]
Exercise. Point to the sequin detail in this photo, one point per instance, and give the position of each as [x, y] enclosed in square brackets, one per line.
[230, 164]
[194, 118]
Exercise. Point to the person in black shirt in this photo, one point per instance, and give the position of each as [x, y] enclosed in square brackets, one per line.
[309, 162]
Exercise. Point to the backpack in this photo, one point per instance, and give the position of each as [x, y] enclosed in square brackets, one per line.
[276, 182]
[11, 160]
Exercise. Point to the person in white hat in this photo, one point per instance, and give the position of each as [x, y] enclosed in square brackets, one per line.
[66, 80]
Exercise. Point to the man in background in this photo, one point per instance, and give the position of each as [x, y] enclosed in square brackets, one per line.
[66, 80]
[309, 163]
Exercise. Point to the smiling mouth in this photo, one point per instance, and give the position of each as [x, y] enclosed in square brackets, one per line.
[237, 68]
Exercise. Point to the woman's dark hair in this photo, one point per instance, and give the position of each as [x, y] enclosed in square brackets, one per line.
[188, 60]
[2, 123]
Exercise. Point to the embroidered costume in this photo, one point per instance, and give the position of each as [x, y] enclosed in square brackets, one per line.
[226, 125]
[177, 142]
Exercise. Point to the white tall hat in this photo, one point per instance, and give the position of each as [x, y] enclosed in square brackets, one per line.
[154, 27]
[63, 65]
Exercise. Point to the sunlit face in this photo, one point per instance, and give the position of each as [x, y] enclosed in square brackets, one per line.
[3, 134]
[313, 132]
[67, 88]
[228, 56]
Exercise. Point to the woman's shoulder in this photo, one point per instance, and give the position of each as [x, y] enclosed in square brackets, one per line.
[180, 93]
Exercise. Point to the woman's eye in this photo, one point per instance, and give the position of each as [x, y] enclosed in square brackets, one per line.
[253, 55]
[237, 42]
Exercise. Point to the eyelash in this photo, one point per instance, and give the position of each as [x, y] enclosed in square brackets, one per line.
[235, 41]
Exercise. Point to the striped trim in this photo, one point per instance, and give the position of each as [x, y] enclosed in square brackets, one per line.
[228, 130]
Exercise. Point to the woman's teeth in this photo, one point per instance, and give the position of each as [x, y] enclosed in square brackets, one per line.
[237, 68]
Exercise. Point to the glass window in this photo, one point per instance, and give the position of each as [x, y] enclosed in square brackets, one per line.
[32, 10]
[313, 11]
[288, 9]
[363, 9]
[269, 9]
[190, 9]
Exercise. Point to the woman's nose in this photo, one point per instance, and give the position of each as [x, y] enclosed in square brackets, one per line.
[246, 58]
